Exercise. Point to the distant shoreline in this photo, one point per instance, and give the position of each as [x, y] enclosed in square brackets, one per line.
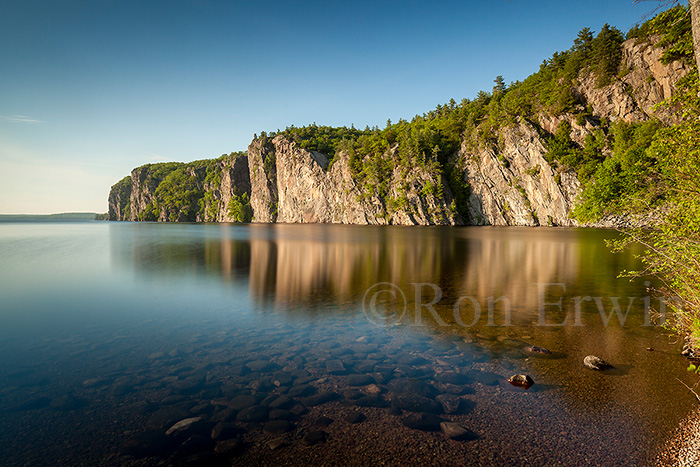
[64, 216]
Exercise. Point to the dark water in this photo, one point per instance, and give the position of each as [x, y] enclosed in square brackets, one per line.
[110, 333]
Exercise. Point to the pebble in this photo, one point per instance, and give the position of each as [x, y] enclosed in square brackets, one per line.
[453, 378]
[335, 367]
[412, 386]
[596, 363]
[166, 417]
[261, 366]
[323, 421]
[371, 401]
[487, 378]
[302, 390]
[450, 403]
[242, 401]
[281, 414]
[320, 398]
[95, 382]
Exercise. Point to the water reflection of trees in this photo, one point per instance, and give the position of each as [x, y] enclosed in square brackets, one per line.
[312, 264]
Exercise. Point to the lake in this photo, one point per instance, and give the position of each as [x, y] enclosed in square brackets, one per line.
[322, 344]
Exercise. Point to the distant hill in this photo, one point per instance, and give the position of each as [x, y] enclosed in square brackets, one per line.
[60, 217]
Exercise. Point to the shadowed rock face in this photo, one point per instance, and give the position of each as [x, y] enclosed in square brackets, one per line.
[510, 182]
[134, 197]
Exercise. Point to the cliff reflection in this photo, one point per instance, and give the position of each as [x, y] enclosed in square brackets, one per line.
[311, 265]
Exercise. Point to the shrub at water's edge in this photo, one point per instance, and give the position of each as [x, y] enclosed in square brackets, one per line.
[654, 171]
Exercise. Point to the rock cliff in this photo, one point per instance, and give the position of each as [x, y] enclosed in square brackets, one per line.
[517, 186]
[512, 183]
[302, 186]
[507, 179]
[203, 191]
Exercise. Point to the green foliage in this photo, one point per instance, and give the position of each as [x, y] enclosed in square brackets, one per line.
[323, 139]
[180, 192]
[672, 249]
[606, 54]
[239, 207]
[624, 176]
[674, 27]
[534, 171]
[561, 148]
[655, 171]
[460, 189]
[183, 192]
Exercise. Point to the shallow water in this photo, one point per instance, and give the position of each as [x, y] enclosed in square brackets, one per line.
[112, 332]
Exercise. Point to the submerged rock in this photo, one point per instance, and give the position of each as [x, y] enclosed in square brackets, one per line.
[416, 403]
[183, 426]
[278, 443]
[355, 417]
[596, 363]
[523, 381]
[278, 427]
[422, 421]
[456, 431]
[315, 437]
[537, 350]
[256, 413]
[228, 447]
[359, 380]
[451, 404]
[453, 378]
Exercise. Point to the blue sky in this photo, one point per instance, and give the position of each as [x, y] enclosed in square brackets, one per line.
[90, 89]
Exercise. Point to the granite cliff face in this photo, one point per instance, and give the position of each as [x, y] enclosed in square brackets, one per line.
[645, 83]
[120, 200]
[302, 187]
[513, 184]
[508, 178]
[517, 186]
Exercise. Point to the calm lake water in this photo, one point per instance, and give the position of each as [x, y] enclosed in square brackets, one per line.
[310, 344]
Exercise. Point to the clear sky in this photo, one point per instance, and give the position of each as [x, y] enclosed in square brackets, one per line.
[90, 89]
